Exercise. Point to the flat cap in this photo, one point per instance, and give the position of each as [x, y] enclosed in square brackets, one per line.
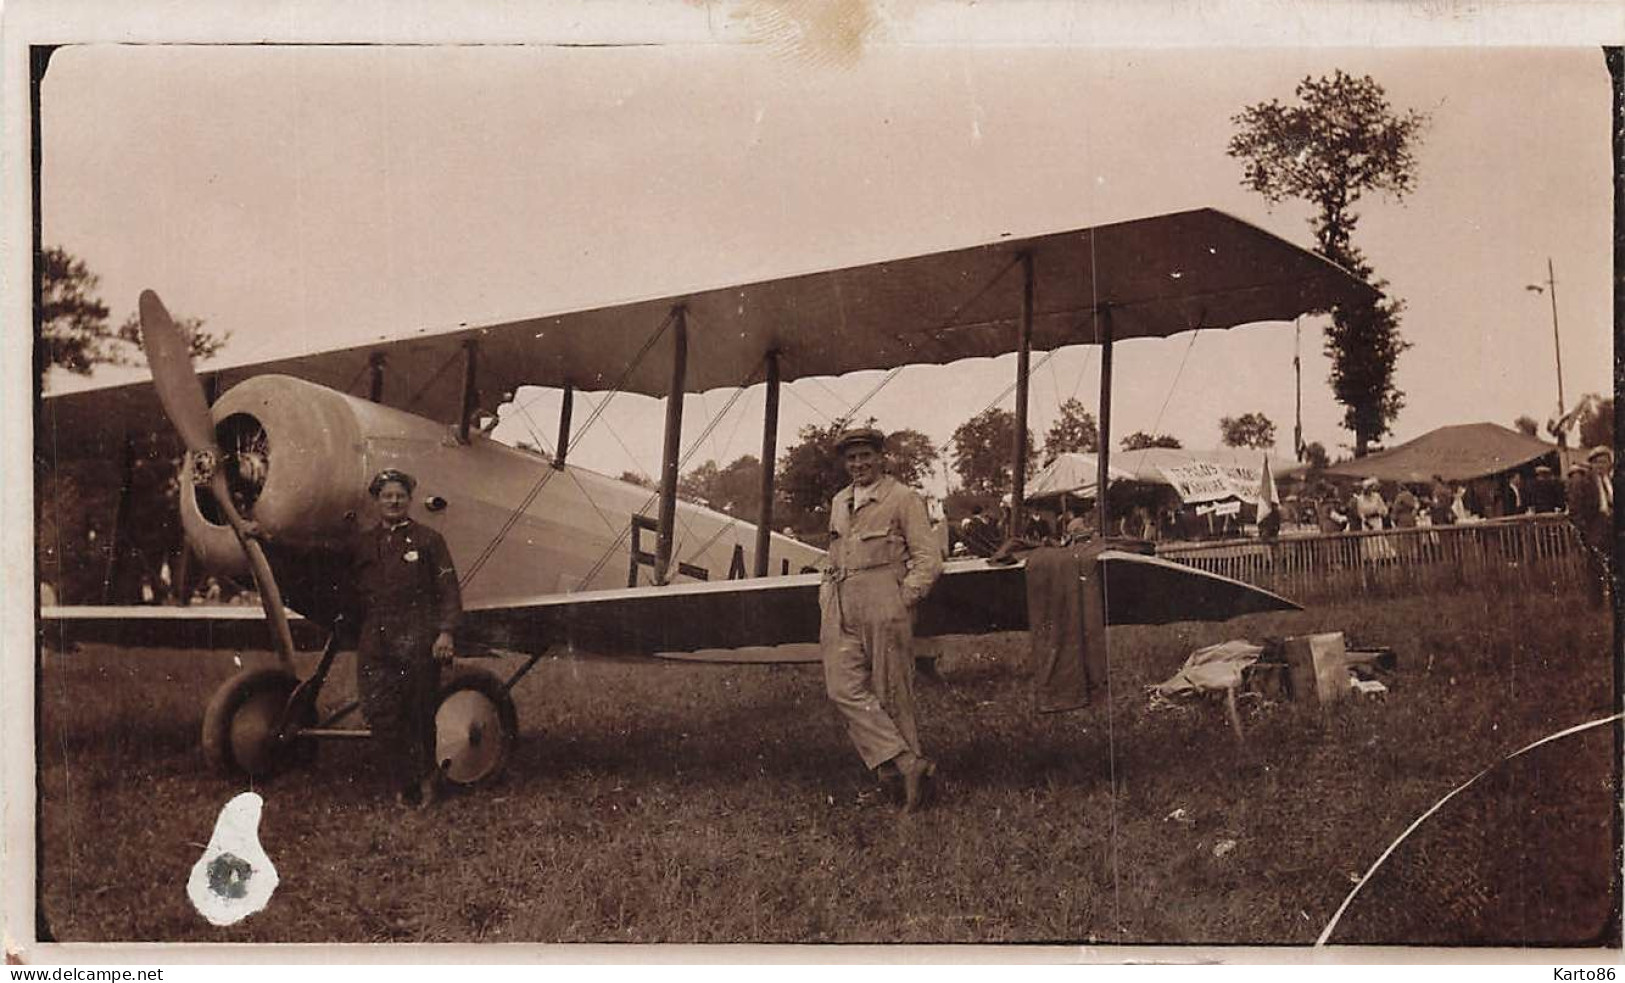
[1600, 451]
[387, 475]
[860, 435]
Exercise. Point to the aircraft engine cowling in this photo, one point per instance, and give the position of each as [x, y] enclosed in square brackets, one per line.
[292, 452]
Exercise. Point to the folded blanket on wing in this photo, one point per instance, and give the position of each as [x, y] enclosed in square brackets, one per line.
[1066, 615]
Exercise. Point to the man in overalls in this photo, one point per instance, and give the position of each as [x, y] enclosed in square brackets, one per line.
[409, 605]
[882, 561]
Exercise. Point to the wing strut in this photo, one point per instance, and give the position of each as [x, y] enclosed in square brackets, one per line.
[565, 408]
[1024, 357]
[770, 435]
[471, 392]
[674, 437]
[375, 370]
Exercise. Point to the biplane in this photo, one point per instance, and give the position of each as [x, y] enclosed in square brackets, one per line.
[540, 545]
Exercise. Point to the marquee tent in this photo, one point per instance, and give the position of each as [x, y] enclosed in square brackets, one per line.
[1455, 453]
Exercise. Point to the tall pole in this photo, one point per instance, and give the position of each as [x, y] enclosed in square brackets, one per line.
[674, 438]
[1102, 477]
[1557, 346]
[770, 437]
[1024, 357]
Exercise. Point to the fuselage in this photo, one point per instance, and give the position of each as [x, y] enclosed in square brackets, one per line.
[517, 526]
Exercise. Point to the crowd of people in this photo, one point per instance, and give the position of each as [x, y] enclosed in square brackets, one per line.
[1377, 505]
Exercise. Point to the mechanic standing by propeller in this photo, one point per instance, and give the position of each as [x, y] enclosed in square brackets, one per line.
[408, 605]
[883, 559]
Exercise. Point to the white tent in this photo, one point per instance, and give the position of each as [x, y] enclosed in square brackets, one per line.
[1196, 476]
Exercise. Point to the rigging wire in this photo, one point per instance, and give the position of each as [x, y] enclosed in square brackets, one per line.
[547, 475]
[943, 325]
[633, 458]
[807, 403]
[821, 384]
[435, 377]
[617, 435]
[732, 435]
[350, 386]
[530, 424]
[626, 531]
[1172, 386]
[1088, 356]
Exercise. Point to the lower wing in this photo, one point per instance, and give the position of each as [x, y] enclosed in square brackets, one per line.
[773, 619]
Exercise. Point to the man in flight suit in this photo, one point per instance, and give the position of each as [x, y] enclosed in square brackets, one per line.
[882, 561]
[409, 607]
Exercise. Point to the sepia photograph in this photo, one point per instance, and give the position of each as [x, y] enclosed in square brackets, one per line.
[833, 476]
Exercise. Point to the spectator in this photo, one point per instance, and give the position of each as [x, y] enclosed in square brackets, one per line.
[1514, 500]
[1405, 508]
[1546, 493]
[1368, 509]
[1439, 506]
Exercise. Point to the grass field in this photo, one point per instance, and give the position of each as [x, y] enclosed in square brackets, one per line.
[671, 802]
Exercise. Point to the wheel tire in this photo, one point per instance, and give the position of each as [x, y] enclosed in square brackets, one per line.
[475, 726]
[238, 725]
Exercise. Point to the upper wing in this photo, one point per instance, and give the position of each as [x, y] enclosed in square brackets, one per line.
[1159, 276]
[973, 597]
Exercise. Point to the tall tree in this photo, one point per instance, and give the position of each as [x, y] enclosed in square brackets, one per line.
[74, 331]
[810, 472]
[1341, 140]
[80, 550]
[1139, 440]
[1074, 432]
[982, 449]
[1247, 430]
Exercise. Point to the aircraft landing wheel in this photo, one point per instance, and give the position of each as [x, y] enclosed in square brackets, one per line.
[239, 726]
[475, 726]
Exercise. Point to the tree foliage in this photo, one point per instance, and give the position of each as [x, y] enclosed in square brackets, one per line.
[103, 526]
[1247, 430]
[734, 490]
[637, 478]
[1591, 421]
[1075, 431]
[1340, 140]
[1315, 453]
[1139, 440]
[982, 449]
[74, 330]
[1527, 425]
[1597, 422]
[810, 472]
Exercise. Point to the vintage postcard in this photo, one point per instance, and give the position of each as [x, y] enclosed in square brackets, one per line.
[777, 473]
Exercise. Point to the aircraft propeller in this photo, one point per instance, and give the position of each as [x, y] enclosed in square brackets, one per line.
[169, 355]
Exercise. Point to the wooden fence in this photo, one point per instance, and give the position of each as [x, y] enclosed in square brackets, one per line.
[1527, 552]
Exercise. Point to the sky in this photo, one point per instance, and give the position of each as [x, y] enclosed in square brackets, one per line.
[303, 198]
